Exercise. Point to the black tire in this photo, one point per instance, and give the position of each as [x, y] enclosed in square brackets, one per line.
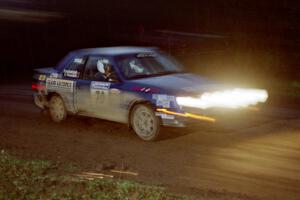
[57, 109]
[144, 122]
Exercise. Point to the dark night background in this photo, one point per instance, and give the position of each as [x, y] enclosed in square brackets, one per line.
[234, 40]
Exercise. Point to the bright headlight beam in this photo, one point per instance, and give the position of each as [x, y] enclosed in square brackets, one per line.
[234, 98]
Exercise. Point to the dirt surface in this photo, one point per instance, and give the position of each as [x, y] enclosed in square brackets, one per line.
[254, 159]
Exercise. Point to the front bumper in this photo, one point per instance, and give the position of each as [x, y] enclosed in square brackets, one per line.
[194, 116]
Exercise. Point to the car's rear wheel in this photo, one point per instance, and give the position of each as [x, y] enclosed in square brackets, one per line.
[57, 109]
[144, 122]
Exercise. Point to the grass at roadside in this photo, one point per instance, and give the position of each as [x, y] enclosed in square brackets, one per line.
[22, 179]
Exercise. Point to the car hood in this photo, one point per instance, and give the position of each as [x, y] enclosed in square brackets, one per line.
[180, 84]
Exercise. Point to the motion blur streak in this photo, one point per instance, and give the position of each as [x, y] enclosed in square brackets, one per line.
[28, 15]
[235, 98]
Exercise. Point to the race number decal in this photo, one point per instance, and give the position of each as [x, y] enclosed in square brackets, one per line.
[99, 96]
[99, 92]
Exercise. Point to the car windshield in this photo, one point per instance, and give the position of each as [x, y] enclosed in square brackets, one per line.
[148, 65]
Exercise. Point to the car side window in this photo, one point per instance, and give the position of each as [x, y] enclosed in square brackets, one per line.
[75, 67]
[99, 68]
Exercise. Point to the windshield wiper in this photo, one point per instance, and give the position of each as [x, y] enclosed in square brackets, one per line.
[166, 73]
[156, 74]
[139, 76]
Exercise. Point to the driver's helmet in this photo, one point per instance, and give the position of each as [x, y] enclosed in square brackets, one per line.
[102, 65]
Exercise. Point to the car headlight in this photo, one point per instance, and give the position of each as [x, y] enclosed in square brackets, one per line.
[234, 98]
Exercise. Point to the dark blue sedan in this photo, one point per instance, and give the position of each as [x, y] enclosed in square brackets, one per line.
[142, 87]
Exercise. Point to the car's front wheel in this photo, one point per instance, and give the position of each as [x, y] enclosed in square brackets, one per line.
[144, 122]
[57, 109]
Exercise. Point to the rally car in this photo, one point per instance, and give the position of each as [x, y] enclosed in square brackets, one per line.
[142, 87]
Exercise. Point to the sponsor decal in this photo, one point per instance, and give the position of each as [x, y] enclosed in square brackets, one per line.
[71, 73]
[42, 77]
[100, 85]
[163, 100]
[60, 85]
[54, 75]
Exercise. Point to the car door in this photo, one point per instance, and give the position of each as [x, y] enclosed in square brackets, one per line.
[98, 96]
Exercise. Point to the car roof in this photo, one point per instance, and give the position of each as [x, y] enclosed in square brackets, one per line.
[114, 51]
